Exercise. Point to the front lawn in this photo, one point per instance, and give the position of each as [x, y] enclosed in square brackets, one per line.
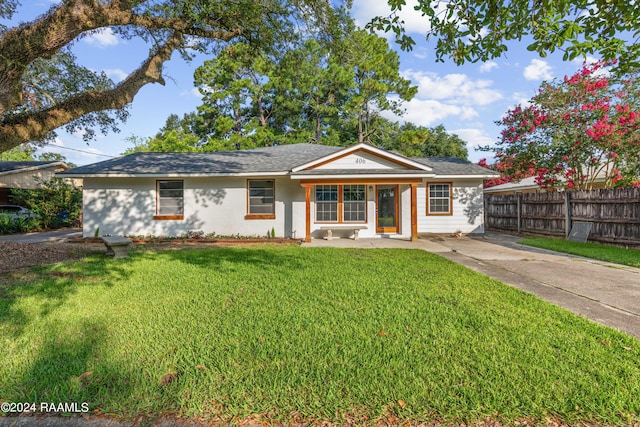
[612, 254]
[306, 334]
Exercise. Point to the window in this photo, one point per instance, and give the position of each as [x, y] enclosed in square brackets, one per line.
[354, 202]
[341, 203]
[261, 202]
[170, 199]
[439, 199]
[327, 203]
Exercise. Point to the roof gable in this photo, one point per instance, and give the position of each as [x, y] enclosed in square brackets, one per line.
[360, 157]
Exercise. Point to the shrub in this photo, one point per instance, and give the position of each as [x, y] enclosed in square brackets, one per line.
[56, 204]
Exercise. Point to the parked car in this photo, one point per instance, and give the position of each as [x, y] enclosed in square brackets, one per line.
[15, 211]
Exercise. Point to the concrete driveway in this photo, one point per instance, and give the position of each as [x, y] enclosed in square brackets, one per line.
[44, 236]
[603, 292]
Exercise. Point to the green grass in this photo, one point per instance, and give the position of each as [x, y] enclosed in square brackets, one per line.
[288, 333]
[612, 254]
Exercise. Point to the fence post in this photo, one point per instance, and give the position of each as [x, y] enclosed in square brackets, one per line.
[519, 212]
[567, 214]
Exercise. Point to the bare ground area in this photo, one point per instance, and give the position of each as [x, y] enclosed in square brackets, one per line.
[15, 256]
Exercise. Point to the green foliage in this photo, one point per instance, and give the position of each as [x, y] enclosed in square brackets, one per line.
[322, 90]
[10, 225]
[418, 141]
[477, 30]
[46, 88]
[576, 131]
[55, 203]
[376, 76]
[286, 334]
[21, 153]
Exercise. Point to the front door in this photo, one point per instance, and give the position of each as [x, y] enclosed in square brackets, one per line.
[387, 209]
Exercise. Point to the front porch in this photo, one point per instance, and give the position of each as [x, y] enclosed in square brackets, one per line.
[375, 207]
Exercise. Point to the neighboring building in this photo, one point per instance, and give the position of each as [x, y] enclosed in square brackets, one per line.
[528, 185]
[298, 190]
[25, 175]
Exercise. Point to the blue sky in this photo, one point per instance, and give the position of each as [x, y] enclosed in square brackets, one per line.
[466, 99]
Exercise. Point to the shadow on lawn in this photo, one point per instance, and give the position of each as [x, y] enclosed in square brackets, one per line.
[33, 294]
[251, 256]
[68, 368]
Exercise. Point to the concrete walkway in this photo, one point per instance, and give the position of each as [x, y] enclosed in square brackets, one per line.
[603, 292]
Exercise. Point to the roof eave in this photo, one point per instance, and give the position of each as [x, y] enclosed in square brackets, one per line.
[35, 168]
[170, 175]
[363, 176]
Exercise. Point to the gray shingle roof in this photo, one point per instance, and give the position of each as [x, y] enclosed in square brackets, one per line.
[280, 158]
[454, 166]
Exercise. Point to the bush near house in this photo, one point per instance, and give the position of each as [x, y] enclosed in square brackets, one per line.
[55, 204]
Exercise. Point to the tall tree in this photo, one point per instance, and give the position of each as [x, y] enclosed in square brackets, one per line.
[42, 87]
[576, 131]
[312, 91]
[477, 30]
[376, 79]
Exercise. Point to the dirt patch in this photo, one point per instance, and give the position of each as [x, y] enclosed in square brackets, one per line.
[15, 256]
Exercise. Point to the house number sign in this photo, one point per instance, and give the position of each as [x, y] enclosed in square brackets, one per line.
[360, 161]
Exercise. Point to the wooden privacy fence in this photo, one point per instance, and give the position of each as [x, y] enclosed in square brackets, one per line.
[614, 214]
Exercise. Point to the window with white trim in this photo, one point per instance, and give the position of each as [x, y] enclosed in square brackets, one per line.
[170, 198]
[439, 199]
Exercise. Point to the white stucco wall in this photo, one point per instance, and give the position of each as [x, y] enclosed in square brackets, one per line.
[126, 206]
[467, 215]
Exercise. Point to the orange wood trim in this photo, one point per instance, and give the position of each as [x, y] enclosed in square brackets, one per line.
[307, 195]
[260, 216]
[306, 182]
[340, 205]
[168, 217]
[414, 213]
[450, 213]
[397, 162]
[388, 229]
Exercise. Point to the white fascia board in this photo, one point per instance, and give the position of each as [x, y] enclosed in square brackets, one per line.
[171, 175]
[364, 147]
[367, 176]
[35, 168]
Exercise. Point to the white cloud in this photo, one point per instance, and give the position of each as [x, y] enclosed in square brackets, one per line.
[414, 22]
[116, 74]
[429, 112]
[538, 70]
[455, 88]
[488, 66]
[443, 97]
[102, 37]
